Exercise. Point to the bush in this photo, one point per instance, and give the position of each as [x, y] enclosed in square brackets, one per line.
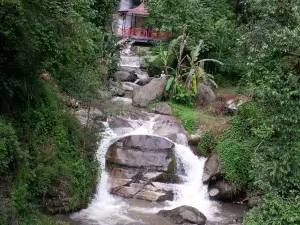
[9, 146]
[207, 143]
[275, 210]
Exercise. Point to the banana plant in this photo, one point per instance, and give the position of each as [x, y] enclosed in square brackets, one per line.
[195, 72]
[165, 55]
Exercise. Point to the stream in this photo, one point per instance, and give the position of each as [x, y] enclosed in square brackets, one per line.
[107, 209]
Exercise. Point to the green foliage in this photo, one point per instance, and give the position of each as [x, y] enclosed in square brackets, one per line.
[236, 147]
[187, 115]
[275, 210]
[60, 39]
[9, 146]
[208, 143]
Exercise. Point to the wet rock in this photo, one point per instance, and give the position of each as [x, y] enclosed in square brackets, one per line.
[143, 96]
[91, 117]
[141, 151]
[168, 126]
[128, 86]
[204, 95]
[224, 191]
[123, 76]
[136, 115]
[122, 100]
[184, 215]
[194, 139]
[212, 168]
[163, 108]
[123, 173]
[143, 77]
[116, 88]
[143, 64]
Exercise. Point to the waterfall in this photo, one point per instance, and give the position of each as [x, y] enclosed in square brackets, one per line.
[106, 209]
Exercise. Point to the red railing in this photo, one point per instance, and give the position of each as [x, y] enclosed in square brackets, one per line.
[144, 33]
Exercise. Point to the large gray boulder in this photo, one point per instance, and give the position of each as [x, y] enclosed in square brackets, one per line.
[124, 76]
[212, 168]
[142, 77]
[204, 95]
[116, 88]
[184, 215]
[136, 165]
[163, 108]
[147, 94]
[141, 151]
[222, 190]
[168, 126]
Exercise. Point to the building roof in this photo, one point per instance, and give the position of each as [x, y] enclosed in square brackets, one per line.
[140, 10]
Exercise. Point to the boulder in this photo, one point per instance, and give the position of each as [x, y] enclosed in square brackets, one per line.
[163, 108]
[144, 95]
[142, 77]
[184, 215]
[141, 151]
[224, 191]
[116, 88]
[204, 95]
[143, 64]
[120, 125]
[168, 126]
[92, 117]
[212, 168]
[123, 76]
[128, 86]
[194, 139]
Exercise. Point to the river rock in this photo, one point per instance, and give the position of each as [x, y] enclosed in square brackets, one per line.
[204, 95]
[143, 96]
[184, 215]
[92, 117]
[141, 151]
[194, 139]
[124, 76]
[163, 108]
[168, 126]
[142, 77]
[116, 88]
[212, 168]
[224, 191]
[128, 86]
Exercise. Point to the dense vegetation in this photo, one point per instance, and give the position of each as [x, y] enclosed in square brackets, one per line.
[258, 41]
[49, 49]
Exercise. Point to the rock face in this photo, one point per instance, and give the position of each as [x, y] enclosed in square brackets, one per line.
[124, 76]
[116, 89]
[141, 151]
[147, 94]
[128, 86]
[212, 168]
[136, 162]
[92, 117]
[224, 191]
[204, 95]
[168, 126]
[163, 108]
[143, 77]
[184, 215]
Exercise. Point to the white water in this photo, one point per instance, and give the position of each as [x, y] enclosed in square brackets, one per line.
[106, 209]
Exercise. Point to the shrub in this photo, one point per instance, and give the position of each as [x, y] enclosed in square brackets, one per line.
[9, 146]
[275, 210]
[207, 143]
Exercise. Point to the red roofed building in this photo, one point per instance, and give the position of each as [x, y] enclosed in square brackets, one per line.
[132, 24]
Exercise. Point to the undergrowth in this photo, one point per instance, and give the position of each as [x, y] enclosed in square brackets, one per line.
[46, 155]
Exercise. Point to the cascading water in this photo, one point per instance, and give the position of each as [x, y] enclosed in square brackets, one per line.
[106, 209]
